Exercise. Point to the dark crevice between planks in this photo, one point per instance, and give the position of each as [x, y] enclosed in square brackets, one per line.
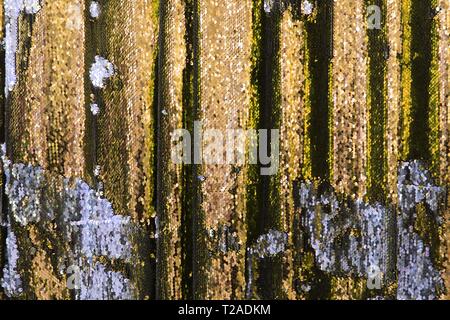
[270, 269]
[162, 283]
[150, 228]
[253, 179]
[199, 246]
[320, 51]
[378, 53]
[421, 23]
[377, 167]
[188, 178]
[91, 46]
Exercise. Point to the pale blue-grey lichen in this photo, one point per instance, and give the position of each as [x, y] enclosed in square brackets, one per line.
[11, 282]
[12, 10]
[100, 232]
[351, 238]
[31, 6]
[98, 283]
[418, 277]
[100, 71]
[267, 245]
[94, 9]
[348, 237]
[86, 220]
[268, 5]
[307, 7]
[95, 109]
[270, 244]
[415, 185]
[23, 188]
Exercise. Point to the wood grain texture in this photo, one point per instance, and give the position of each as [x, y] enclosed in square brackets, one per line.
[89, 182]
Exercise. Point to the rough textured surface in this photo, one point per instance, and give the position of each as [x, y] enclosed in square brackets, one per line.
[93, 207]
[352, 238]
[87, 227]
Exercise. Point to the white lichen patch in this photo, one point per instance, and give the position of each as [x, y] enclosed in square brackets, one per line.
[352, 237]
[321, 230]
[375, 238]
[98, 283]
[86, 221]
[418, 278]
[97, 171]
[100, 71]
[100, 232]
[11, 282]
[31, 6]
[12, 11]
[270, 244]
[222, 239]
[23, 188]
[415, 185]
[94, 9]
[95, 109]
[307, 7]
[268, 5]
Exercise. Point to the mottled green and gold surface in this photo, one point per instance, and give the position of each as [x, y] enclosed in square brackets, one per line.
[353, 105]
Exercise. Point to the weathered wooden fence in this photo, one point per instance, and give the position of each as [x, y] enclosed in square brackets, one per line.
[94, 207]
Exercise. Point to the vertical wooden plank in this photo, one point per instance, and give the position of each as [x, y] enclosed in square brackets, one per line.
[393, 93]
[172, 62]
[48, 91]
[126, 141]
[224, 44]
[443, 32]
[292, 137]
[349, 128]
[350, 112]
[253, 182]
[280, 88]
[419, 141]
[129, 43]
